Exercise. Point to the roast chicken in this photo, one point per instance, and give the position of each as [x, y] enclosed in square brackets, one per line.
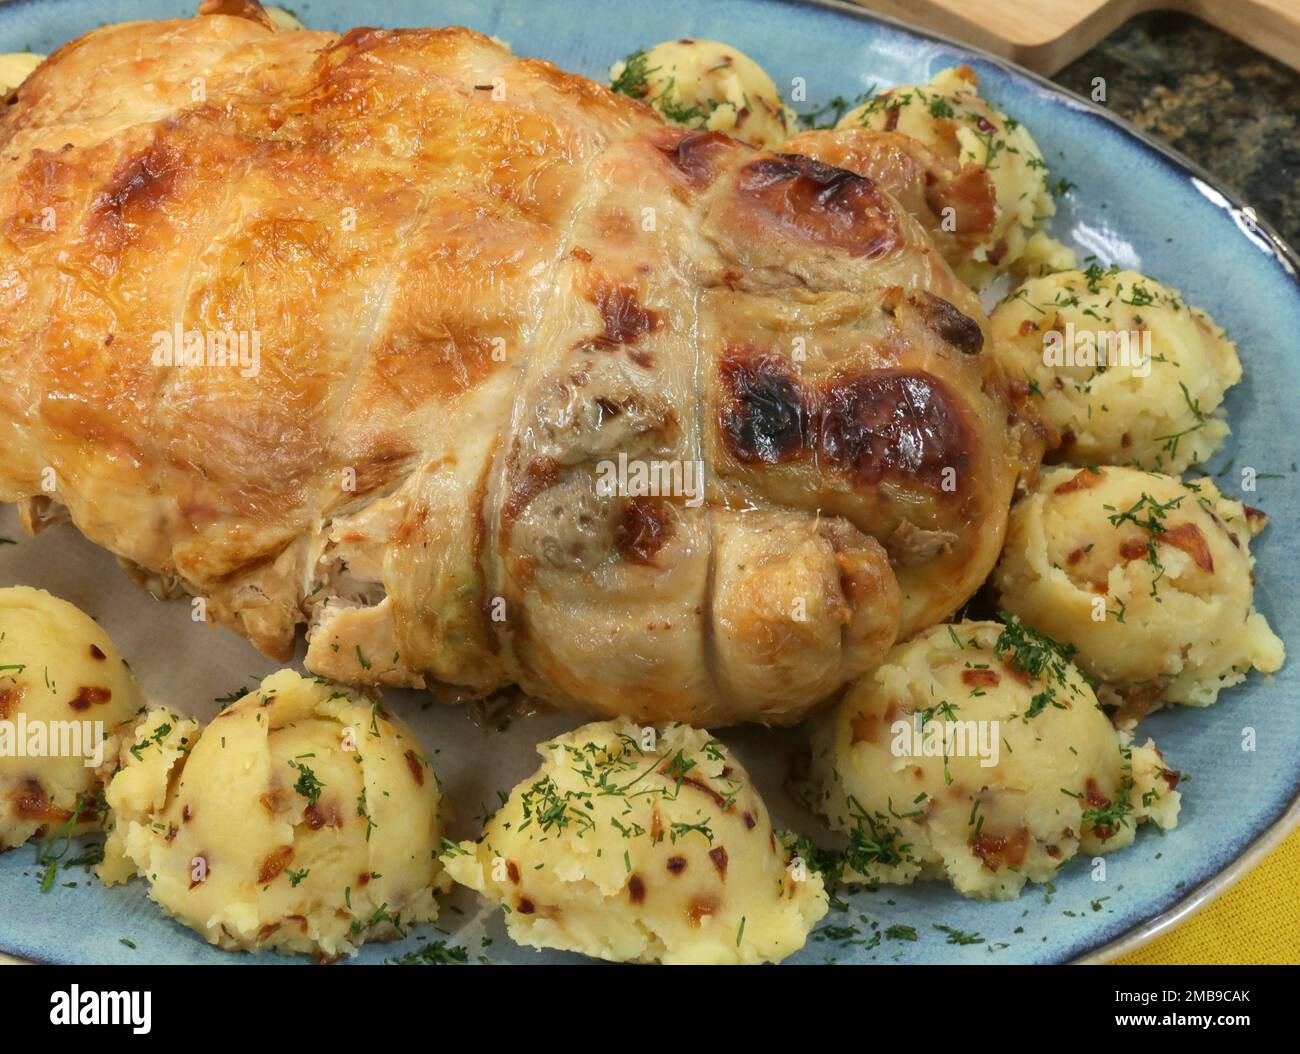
[383, 335]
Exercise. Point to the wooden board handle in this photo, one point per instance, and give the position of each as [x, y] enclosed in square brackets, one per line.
[1271, 26]
[1046, 35]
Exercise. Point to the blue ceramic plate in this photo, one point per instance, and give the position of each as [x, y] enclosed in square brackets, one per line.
[1135, 204]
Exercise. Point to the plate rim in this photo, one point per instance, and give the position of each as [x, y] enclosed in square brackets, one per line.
[1272, 835]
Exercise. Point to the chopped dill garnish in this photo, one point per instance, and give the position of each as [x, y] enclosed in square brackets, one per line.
[1039, 656]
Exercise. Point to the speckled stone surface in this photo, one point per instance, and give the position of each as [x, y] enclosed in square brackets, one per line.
[1230, 108]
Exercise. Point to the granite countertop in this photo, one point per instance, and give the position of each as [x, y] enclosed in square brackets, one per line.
[1230, 108]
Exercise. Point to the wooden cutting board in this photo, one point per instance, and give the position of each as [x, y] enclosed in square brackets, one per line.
[1046, 35]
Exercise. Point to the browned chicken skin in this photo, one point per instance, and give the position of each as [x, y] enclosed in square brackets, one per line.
[473, 283]
[955, 203]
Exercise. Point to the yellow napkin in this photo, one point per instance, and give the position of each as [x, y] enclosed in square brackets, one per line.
[1256, 921]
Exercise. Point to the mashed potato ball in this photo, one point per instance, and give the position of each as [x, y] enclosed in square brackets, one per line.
[632, 844]
[1123, 368]
[977, 753]
[301, 819]
[1149, 578]
[63, 689]
[705, 84]
[282, 18]
[949, 116]
[16, 67]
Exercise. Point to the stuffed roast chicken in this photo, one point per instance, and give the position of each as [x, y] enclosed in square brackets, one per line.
[485, 374]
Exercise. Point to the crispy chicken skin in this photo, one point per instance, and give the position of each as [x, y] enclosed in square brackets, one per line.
[931, 187]
[472, 279]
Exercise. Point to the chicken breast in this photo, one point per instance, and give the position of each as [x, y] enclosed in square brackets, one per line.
[484, 373]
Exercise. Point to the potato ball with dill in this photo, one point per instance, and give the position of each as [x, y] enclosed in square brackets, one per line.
[16, 67]
[283, 19]
[708, 85]
[1123, 368]
[301, 819]
[644, 845]
[1148, 577]
[977, 753]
